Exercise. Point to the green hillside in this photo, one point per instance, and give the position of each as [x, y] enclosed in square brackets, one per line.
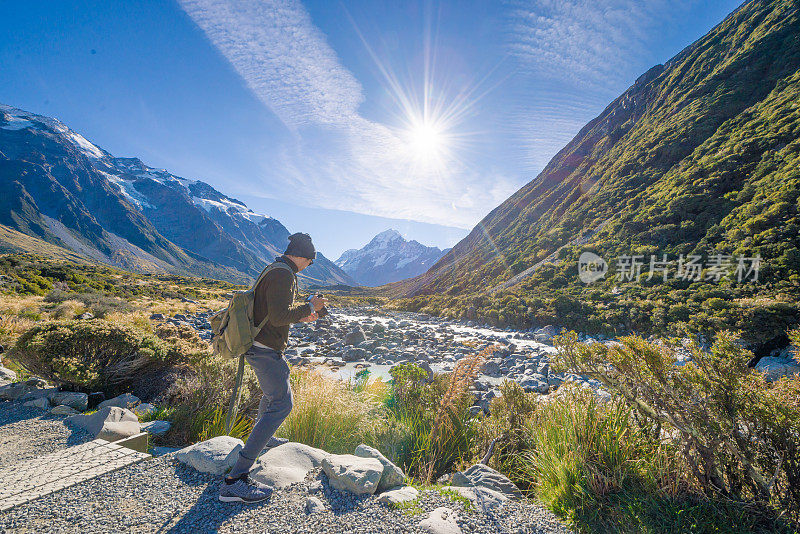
[699, 157]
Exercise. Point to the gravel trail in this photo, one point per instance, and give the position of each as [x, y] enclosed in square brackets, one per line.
[29, 432]
[163, 495]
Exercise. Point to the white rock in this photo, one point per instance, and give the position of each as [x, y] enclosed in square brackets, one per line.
[215, 456]
[7, 374]
[399, 495]
[348, 472]
[79, 401]
[286, 464]
[41, 403]
[63, 410]
[441, 521]
[156, 427]
[126, 400]
[392, 475]
[110, 423]
[314, 505]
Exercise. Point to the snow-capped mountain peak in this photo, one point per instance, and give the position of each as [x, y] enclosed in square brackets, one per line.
[388, 257]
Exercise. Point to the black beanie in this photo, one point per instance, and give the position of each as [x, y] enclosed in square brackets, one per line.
[300, 245]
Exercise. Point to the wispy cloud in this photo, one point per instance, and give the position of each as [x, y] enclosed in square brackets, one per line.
[578, 56]
[336, 158]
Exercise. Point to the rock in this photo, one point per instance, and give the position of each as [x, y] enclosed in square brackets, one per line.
[86, 316]
[111, 423]
[63, 410]
[354, 354]
[42, 403]
[398, 495]
[36, 383]
[355, 336]
[775, 368]
[441, 521]
[392, 475]
[13, 391]
[35, 394]
[480, 475]
[215, 456]
[79, 401]
[491, 367]
[314, 505]
[7, 374]
[535, 384]
[126, 400]
[157, 317]
[483, 499]
[286, 464]
[347, 472]
[156, 427]
[144, 409]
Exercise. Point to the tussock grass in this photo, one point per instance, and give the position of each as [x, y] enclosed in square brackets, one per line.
[329, 414]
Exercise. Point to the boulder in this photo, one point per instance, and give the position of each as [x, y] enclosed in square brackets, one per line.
[398, 495]
[355, 336]
[63, 410]
[13, 391]
[354, 354]
[156, 427]
[480, 475]
[110, 423]
[7, 374]
[215, 456]
[392, 475]
[348, 472]
[286, 464]
[42, 403]
[491, 367]
[483, 499]
[126, 400]
[314, 505]
[774, 368]
[35, 394]
[441, 521]
[78, 401]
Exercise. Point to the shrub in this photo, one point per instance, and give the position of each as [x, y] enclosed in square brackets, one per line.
[92, 354]
[329, 415]
[736, 434]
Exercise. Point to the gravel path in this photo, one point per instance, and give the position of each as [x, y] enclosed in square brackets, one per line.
[29, 432]
[163, 495]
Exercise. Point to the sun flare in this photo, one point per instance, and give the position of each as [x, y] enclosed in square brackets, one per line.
[426, 141]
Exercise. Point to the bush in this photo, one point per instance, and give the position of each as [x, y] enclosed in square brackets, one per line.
[94, 354]
[736, 434]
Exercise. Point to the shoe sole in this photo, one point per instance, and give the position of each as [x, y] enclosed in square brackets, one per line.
[225, 498]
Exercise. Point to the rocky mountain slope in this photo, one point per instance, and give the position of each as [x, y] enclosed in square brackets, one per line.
[388, 257]
[698, 157]
[60, 188]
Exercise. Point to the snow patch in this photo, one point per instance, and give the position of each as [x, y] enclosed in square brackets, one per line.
[17, 123]
[129, 191]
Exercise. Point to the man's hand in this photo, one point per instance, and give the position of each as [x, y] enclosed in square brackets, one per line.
[310, 319]
[318, 303]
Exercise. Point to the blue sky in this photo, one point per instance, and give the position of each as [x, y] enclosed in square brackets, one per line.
[341, 119]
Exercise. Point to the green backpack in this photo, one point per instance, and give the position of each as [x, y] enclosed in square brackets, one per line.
[234, 331]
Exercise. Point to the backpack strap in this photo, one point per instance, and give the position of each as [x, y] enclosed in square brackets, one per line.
[267, 269]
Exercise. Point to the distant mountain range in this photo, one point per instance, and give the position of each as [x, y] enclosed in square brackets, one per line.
[388, 257]
[57, 186]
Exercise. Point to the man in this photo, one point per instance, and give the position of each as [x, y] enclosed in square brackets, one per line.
[274, 299]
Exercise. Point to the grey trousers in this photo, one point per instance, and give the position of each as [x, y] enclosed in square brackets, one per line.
[272, 372]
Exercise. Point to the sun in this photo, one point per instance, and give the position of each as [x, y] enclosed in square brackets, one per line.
[425, 140]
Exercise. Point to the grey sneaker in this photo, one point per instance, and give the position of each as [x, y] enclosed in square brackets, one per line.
[245, 489]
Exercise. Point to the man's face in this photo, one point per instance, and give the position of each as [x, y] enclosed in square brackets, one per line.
[306, 263]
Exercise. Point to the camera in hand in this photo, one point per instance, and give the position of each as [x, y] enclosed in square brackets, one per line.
[324, 311]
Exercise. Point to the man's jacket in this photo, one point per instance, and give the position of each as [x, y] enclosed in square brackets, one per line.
[274, 298]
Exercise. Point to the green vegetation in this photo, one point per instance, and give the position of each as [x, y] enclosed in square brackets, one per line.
[701, 156]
